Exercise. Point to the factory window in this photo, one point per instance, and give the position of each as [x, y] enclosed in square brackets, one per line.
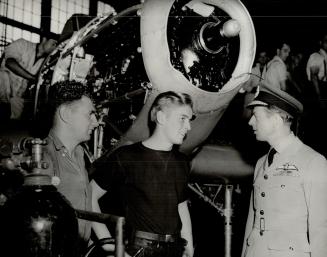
[9, 34]
[25, 11]
[104, 8]
[62, 10]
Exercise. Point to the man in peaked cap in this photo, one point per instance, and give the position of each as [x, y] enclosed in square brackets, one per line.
[288, 207]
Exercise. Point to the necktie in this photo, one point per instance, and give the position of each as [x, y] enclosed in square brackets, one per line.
[271, 156]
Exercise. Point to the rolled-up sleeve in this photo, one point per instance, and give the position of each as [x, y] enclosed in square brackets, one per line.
[15, 50]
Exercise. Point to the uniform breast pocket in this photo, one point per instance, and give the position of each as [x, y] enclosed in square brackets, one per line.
[288, 243]
[286, 194]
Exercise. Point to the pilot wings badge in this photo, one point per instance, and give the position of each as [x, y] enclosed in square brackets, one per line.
[287, 170]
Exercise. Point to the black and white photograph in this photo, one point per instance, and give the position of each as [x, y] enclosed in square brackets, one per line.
[163, 128]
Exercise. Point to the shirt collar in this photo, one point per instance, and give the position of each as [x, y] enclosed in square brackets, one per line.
[277, 58]
[56, 141]
[79, 150]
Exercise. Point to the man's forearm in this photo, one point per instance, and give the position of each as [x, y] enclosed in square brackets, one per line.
[186, 231]
[16, 68]
[100, 229]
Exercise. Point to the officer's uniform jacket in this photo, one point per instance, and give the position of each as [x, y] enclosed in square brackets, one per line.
[288, 209]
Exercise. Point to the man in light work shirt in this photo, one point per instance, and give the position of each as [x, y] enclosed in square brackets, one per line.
[19, 66]
[277, 74]
[316, 98]
[73, 116]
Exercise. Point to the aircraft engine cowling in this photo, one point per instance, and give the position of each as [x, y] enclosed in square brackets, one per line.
[203, 48]
[171, 28]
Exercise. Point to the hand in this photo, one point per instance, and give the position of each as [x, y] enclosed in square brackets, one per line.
[188, 253]
[32, 82]
[110, 250]
[33, 79]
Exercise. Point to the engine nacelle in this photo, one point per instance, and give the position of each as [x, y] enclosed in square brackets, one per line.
[205, 48]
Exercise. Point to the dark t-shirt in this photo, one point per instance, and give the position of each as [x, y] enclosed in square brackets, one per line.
[154, 183]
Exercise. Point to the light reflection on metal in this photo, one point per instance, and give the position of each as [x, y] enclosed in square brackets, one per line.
[156, 51]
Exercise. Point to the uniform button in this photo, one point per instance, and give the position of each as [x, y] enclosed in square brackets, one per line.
[263, 194]
[265, 176]
[262, 212]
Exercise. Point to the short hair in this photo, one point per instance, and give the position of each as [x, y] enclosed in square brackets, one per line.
[260, 51]
[166, 99]
[279, 43]
[64, 92]
[286, 117]
[289, 120]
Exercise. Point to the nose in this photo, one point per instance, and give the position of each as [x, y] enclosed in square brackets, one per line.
[188, 125]
[94, 121]
[251, 121]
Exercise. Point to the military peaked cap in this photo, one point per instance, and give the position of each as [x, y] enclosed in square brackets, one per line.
[269, 95]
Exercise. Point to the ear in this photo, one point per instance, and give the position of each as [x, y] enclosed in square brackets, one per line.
[161, 117]
[278, 120]
[64, 113]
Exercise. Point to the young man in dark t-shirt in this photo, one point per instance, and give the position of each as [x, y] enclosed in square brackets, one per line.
[153, 178]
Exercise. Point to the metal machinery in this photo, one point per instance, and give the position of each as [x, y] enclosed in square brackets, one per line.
[37, 215]
[204, 48]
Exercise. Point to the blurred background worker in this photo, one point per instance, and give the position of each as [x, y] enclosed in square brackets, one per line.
[20, 63]
[277, 73]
